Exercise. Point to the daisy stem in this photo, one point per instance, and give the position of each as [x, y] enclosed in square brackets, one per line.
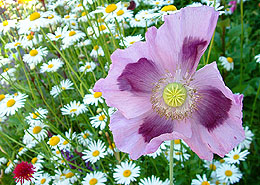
[171, 163]
[241, 42]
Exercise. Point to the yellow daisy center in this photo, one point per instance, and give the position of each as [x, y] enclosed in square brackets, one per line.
[34, 16]
[57, 36]
[212, 167]
[5, 23]
[69, 175]
[34, 160]
[230, 60]
[65, 142]
[228, 173]
[30, 37]
[97, 94]
[20, 149]
[37, 129]
[236, 157]
[96, 47]
[83, 14]
[51, 17]
[88, 67]
[73, 24]
[79, 5]
[71, 33]
[35, 115]
[85, 136]
[2, 96]
[102, 27]
[169, 8]
[54, 140]
[10, 103]
[67, 17]
[17, 44]
[177, 141]
[73, 110]
[96, 153]
[50, 66]
[33, 52]
[127, 173]
[110, 8]
[93, 181]
[174, 94]
[221, 160]
[102, 117]
[64, 88]
[43, 181]
[132, 42]
[120, 12]
[6, 69]
[205, 183]
[9, 162]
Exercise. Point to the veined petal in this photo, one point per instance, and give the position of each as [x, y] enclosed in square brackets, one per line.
[129, 81]
[182, 39]
[143, 135]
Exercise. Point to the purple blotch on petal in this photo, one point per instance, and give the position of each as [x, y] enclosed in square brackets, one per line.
[154, 126]
[213, 108]
[192, 49]
[139, 76]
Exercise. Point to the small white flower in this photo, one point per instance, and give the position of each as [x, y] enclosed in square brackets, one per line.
[97, 178]
[126, 172]
[35, 56]
[227, 63]
[96, 151]
[52, 66]
[87, 67]
[93, 98]
[257, 58]
[229, 173]
[200, 180]
[152, 181]
[64, 85]
[128, 41]
[248, 139]
[73, 108]
[84, 138]
[38, 116]
[97, 51]
[235, 156]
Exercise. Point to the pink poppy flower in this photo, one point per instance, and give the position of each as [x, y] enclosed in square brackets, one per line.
[233, 5]
[160, 95]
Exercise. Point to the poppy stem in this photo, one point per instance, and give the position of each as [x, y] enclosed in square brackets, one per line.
[171, 163]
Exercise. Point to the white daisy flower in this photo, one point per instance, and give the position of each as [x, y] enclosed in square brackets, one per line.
[6, 25]
[11, 104]
[135, 22]
[84, 138]
[195, 4]
[128, 41]
[30, 40]
[72, 177]
[73, 108]
[65, 144]
[84, 43]
[257, 58]
[235, 155]
[37, 116]
[95, 178]
[71, 37]
[109, 11]
[122, 14]
[4, 61]
[51, 18]
[212, 166]
[126, 172]
[229, 173]
[15, 44]
[52, 66]
[99, 120]
[37, 162]
[21, 151]
[217, 6]
[93, 98]
[152, 181]
[227, 62]
[8, 76]
[96, 151]
[97, 51]
[43, 179]
[58, 34]
[31, 23]
[35, 56]
[200, 180]
[87, 67]
[64, 85]
[167, 10]
[248, 139]
[10, 166]
[3, 119]
[38, 131]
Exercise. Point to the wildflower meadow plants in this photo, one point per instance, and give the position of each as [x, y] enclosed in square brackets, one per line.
[129, 92]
